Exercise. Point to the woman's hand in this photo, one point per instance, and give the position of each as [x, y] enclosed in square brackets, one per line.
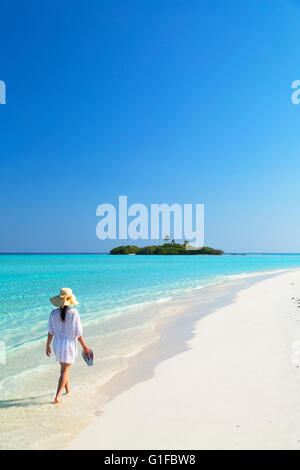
[48, 349]
[86, 350]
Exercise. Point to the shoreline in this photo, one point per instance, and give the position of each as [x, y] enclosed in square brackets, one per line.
[141, 368]
[120, 343]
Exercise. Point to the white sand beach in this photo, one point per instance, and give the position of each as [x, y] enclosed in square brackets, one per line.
[236, 386]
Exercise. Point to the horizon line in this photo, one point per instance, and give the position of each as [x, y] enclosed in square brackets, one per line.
[107, 252]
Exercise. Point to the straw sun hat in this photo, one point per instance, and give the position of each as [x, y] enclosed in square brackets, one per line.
[65, 298]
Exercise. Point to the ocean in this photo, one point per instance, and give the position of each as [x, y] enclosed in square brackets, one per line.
[121, 298]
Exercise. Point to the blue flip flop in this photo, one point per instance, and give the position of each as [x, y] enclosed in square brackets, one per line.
[89, 358]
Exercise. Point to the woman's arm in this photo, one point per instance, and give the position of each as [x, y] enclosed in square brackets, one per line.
[84, 346]
[48, 349]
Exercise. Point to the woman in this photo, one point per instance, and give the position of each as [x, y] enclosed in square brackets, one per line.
[64, 324]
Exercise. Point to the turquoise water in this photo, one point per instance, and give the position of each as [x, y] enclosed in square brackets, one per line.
[120, 298]
[105, 285]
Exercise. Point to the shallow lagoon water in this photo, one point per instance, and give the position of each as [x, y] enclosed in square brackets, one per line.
[121, 298]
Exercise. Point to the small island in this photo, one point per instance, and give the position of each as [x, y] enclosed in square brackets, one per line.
[168, 248]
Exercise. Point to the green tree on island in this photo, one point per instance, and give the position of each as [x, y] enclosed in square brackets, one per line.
[166, 249]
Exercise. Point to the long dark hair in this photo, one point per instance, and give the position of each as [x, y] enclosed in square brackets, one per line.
[63, 311]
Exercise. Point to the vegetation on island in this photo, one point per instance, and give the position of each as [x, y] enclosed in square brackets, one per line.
[168, 248]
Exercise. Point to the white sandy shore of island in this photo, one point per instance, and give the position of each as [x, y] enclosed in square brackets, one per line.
[236, 387]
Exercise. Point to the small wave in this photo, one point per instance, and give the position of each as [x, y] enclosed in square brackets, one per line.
[121, 310]
[26, 344]
[12, 379]
[162, 300]
[256, 273]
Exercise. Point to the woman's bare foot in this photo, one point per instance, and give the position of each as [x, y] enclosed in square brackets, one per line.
[57, 400]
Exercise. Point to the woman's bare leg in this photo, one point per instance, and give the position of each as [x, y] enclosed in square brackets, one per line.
[67, 388]
[63, 380]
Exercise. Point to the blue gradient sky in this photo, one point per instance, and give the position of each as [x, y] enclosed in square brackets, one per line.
[163, 101]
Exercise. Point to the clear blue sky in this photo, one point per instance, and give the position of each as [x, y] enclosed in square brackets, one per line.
[164, 101]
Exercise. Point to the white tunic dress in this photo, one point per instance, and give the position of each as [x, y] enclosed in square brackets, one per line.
[65, 334]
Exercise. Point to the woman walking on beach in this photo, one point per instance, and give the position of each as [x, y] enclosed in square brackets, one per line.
[65, 326]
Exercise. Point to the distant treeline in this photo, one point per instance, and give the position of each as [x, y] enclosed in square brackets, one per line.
[165, 249]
